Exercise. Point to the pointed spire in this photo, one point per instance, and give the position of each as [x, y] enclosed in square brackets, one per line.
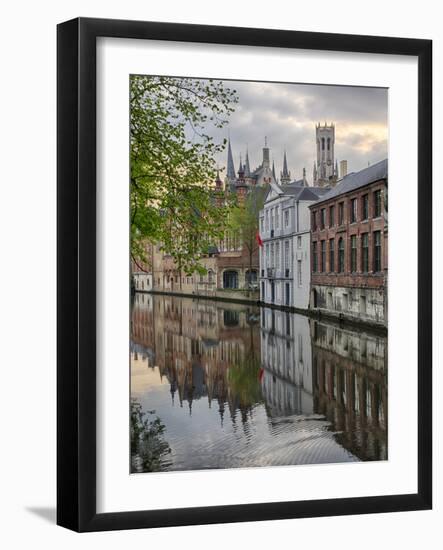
[285, 165]
[247, 168]
[266, 154]
[240, 167]
[336, 169]
[285, 175]
[230, 170]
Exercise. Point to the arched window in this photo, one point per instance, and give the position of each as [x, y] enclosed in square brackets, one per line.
[322, 144]
[329, 144]
[210, 276]
[230, 279]
[341, 255]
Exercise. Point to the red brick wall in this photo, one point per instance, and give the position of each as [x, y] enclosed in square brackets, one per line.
[346, 230]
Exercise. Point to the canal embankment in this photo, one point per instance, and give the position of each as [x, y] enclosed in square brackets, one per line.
[338, 318]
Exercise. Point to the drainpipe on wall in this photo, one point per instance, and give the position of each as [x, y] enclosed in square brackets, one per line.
[297, 229]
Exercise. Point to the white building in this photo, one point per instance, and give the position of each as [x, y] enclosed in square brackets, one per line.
[285, 266]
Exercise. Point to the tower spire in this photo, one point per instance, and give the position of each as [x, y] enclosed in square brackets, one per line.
[285, 175]
[266, 154]
[230, 170]
[247, 168]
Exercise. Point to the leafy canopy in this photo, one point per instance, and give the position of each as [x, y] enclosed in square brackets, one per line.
[173, 199]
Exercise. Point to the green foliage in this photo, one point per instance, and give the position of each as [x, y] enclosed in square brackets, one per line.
[172, 165]
[244, 382]
[244, 219]
[148, 447]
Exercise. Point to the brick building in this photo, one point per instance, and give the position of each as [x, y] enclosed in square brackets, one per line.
[349, 253]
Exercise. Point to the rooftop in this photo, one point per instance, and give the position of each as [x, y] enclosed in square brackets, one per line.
[355, 180]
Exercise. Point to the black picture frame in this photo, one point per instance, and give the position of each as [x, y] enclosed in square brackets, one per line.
[76, 279]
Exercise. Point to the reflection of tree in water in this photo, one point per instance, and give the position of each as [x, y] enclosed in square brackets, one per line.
[244, 382]
[148, 446]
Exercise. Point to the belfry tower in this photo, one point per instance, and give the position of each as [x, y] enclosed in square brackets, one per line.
[325, 172]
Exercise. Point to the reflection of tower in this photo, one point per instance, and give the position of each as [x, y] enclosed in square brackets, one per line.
[325, 172]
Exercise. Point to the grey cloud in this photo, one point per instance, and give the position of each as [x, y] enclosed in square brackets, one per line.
[287, 114]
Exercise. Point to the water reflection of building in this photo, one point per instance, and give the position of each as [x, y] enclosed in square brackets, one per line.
[195, 345]
[286, 361]
[350, 387]
[322, 369]
[234, 357]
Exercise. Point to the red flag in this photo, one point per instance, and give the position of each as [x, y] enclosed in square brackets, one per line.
[260, 242]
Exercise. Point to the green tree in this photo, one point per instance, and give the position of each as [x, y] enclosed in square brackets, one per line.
[148, 446]
[173, 200]
[244, 219]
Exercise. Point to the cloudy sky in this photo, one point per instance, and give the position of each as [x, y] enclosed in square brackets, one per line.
[287, 114]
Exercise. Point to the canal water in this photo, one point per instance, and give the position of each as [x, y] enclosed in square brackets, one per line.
[224, 385]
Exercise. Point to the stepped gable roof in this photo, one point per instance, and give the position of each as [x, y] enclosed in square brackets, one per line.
[355, 180]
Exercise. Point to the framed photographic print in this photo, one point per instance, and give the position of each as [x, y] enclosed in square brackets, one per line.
[244, 326]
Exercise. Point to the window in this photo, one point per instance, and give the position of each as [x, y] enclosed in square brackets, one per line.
[314, 257]
[354, 253]
[377, 203]
[329, 144]
[277, 217]
[341, 255]
[272, 219]
[272, 255]
[286, 215]
[262, 225]
[365, 252]
[331, 256]
[377, 251]
[210, 276]
[365, 207]
[314, 221]
[267, 219]
[341, 213]
[230, 279]
[332, 216]
[322, 144]
[287, 259]
[230, 318]
[298, 242]
[267, 256]
[277, 255]
[251, 277]
[353, 210]
[323, 256]
[322, 218]
[299, 279]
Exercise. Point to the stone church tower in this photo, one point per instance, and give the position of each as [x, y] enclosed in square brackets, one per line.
[325, 169]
